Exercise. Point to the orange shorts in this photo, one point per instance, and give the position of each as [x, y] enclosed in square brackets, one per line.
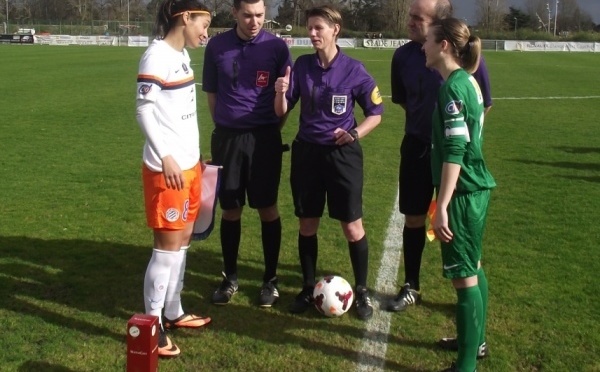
[168, 208]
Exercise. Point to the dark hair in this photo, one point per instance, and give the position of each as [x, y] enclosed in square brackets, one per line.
[330, 14]
[169, 10]
[466, 47]
[238, 3]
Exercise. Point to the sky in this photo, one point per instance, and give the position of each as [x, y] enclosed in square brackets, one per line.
[466, 8]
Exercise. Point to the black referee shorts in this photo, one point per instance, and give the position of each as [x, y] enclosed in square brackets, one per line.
[416, 185]
[332, 174]
[251, 161]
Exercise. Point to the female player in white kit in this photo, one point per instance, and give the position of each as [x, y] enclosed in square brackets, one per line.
[166, 113]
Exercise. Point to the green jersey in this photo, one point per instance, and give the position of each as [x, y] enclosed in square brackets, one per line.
[457, 135]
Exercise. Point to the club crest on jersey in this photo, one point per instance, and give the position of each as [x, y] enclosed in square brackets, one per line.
[185, 68]
[454, 107]
[262, 78]
[339, 104]
[145, 89]
[172, 214]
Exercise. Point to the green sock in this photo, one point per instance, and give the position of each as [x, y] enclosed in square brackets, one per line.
[483, 288]
[468, 327]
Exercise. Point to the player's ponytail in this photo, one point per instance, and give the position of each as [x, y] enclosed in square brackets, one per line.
[466, 48]
[471, 54]
[170, 10]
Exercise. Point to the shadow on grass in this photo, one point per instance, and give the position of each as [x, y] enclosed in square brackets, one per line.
[578, 150]
[279, 327]
[289, 275]
[308, 331]
[383, 299]
[61, 281]
[448, 309]
[67, 282]
[594, 179]
[562, 164]
[35, 366]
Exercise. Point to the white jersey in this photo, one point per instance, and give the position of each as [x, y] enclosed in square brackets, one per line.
[166, 91]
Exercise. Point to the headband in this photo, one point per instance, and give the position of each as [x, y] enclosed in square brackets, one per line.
[191, 11]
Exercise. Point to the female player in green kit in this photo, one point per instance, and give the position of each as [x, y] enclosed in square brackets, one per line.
[462, 181]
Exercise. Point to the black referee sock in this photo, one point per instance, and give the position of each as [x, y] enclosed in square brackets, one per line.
[230, 246]
[413, 240]
[271, 242]
[308, 248]
[359, 256]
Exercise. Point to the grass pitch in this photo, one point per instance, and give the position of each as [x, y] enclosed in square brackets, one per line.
[74, 245]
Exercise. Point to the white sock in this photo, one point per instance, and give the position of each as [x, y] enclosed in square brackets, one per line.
[157, 279]
[173, 308]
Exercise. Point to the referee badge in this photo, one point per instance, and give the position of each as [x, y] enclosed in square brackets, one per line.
[262, 79]
[376, 96]
[338, 104]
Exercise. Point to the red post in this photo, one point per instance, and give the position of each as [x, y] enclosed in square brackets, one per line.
[142, 343]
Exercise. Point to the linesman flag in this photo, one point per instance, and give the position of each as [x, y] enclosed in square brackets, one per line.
[211, 179]
[431, 216]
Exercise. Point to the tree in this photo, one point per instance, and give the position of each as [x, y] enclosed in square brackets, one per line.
[395, 15]
[285, 12]
[582, 21]
[516, 19]
[570, 16]
[490, 14]
[389, 17]
[358, 15]
[223, 19]
[538, 9]
[81, 8]
[221, 11]
[49, 9]
[293, 11]
[363, 15]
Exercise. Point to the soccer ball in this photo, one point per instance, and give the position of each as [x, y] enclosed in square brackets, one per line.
[333, 296]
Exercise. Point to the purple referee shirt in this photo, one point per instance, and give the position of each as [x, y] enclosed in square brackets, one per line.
[242, 74]
[328, 96]
[416, 87]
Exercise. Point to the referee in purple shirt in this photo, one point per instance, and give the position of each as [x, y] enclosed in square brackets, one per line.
[327, 160]
[240, 69]
[415, 88]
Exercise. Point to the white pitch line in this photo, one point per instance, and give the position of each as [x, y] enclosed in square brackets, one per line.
[374, 346]
[519, 98]
[543, 98]
[535, 98]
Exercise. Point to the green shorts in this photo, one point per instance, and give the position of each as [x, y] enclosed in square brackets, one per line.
[466, 218]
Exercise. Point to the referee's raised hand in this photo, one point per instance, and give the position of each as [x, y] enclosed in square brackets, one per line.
[281, 86]
[282, 83]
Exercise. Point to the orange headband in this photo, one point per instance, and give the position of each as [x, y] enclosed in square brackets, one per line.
[191, 11]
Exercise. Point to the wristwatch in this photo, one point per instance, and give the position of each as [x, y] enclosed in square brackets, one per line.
[354, 134]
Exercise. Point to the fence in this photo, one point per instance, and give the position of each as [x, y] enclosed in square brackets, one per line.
[89, 28]
[127, 39]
